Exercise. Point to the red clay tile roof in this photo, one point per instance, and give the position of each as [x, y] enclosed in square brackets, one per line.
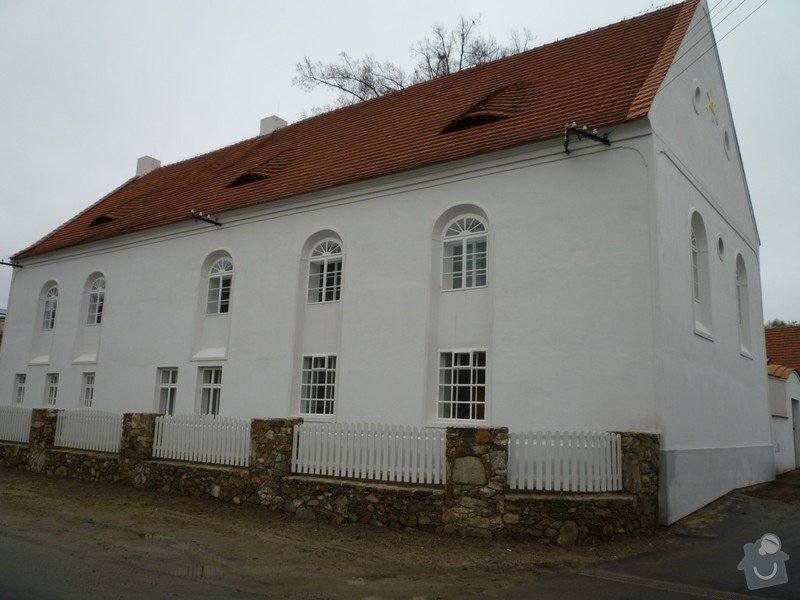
[780, 371]
[600, 78]
[783, 346]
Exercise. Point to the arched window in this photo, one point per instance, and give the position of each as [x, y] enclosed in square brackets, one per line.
[220, 278]
[701, 289]
[464, 251]
[97, 298]
[743, 304]
[325, 272]
[50, 307]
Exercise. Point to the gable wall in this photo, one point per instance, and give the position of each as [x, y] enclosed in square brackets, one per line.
[567, 323]
[712, 396]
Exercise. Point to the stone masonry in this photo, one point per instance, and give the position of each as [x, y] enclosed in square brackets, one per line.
[475, 500]
[476, 476]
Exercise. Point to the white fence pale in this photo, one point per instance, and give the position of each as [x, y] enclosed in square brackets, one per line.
[370, 451]
[15, 423]
[565, 461]
[203, 438]
[95, 430]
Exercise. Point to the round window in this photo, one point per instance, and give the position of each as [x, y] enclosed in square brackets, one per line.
[697, 96]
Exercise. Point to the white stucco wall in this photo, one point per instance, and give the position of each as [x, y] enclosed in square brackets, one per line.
[711, 394]
[783, 394]
[567, 315]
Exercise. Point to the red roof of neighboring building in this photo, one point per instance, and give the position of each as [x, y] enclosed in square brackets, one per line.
[783, 346]
[599, 78]
[780, 371]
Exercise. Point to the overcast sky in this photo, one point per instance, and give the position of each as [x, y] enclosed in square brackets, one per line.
[89, 86]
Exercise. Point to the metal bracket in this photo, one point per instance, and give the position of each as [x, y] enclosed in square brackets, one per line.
[583, 133]
[198, 216]
[8, 263]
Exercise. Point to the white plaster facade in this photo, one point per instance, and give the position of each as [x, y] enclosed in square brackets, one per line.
[784, 396]
[588, 320]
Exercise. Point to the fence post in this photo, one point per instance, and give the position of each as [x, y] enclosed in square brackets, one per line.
[640, 473]
[138, 431]
[42, 437]
[476, 481]
[271, 447]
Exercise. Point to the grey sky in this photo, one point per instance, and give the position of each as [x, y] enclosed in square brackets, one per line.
[89, 86]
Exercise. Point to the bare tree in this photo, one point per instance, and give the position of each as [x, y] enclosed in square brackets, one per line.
[441, 53]
[780, 323]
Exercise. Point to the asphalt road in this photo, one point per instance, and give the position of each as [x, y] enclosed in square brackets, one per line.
[86, 541]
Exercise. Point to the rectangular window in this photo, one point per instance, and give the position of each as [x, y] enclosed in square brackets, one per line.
[19, 388]
[462, 385]
[51, 389]
[318, 385]
[87, 394]
[210, 390]
[464, 263]
[167, 390]
[325, 280]
[219, 294]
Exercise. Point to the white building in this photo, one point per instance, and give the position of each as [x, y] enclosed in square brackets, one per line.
[435, 256]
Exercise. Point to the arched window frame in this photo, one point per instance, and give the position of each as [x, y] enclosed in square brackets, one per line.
[97, 298]
[50, 308]
[465, 251]
[220, 282]
[700, 276]
[325, 268]
[743, 306]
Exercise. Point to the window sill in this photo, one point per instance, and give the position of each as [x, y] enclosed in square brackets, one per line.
[700, 331]
[745, 353]
[445, 423]
[317, 418]
[466, 289]
[322, 302]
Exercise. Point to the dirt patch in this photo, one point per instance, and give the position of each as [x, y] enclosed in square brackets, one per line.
[252, 549]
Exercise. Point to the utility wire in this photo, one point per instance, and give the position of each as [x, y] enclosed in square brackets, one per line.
[715, 44]
[707, 33]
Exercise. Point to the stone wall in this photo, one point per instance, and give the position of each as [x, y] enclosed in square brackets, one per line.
[475, 500]
[476, 476]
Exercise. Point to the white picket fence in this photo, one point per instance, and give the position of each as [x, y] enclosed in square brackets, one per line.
[203, 438]
[15, 423]
[565, 461]
[95, 430]
[370, 451]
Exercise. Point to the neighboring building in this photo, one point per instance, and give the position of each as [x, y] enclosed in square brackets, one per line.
[783, 353]
[434, 256]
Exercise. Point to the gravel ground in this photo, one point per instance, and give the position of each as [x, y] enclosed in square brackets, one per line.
[63, 538]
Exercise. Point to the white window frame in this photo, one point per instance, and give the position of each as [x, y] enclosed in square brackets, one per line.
[318, 385]
[51, 389]
[97, 298]
[210, 390]
[743, 307]
[220, 285]
[50, 308]
[700, 276]
[325, 272]
[19, 388]
[464, 265]
[449, 402]
[87, 390]
[166, 389]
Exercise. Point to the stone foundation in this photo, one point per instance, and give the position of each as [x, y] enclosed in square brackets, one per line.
[474, 502]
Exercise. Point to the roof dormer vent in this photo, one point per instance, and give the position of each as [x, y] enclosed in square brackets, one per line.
[146, 164]
[272, 123]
